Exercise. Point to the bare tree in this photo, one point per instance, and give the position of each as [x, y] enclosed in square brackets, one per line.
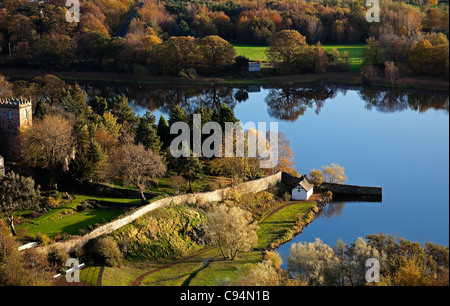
[391, 71]
[140, 166]
[177, 182]
[49, 141]
[334, 174]
[314, 28]
[232, 230]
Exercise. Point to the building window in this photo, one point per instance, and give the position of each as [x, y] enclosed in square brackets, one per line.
[26, 113]
[9, 115]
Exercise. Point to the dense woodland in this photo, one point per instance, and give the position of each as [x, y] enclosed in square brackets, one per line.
[187, 38]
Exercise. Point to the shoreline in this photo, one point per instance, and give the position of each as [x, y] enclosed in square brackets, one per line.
[346, 78]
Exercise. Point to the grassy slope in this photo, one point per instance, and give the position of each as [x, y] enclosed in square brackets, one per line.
[270, 229]
[255, 52]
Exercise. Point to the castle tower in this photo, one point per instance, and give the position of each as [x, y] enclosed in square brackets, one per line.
[14, 114]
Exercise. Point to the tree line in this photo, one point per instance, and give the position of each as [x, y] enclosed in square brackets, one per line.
[186, 38]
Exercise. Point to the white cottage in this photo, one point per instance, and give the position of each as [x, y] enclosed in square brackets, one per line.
[303, 190]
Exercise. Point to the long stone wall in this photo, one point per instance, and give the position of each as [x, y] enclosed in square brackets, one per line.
[213, 196]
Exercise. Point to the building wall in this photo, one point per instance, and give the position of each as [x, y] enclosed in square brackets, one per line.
[13, 116]
[300, 194]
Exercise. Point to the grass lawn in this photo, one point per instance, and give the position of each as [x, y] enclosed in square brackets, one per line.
[66, 218]
[257, 52]
[354, 52]
[277, 224]
[253, 52]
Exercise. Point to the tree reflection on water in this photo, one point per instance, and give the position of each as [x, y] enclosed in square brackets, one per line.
[284, 103]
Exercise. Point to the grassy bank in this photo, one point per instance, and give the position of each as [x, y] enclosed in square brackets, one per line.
[275, 226]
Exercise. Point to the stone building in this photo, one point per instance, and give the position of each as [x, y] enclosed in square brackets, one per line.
[14, 114]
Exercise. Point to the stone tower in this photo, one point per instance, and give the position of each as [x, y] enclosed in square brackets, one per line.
[14, 114]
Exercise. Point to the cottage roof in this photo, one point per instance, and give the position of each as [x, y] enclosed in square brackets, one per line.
[305, 184]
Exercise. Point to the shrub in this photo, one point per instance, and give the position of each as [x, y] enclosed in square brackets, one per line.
[107, 251]
[57, 259]
[53, 202]
[43, 239]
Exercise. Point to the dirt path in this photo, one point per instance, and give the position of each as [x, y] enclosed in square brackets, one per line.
[138, 280]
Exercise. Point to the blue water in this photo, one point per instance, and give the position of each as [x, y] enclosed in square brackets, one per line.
[392, 142]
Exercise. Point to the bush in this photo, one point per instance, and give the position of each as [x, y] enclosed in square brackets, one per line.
[107, 251]
[43, 239]
[57, 259]
[53, 202]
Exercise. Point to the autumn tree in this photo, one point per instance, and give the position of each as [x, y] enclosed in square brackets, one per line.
[216, 53]
[16, 194]
[5, 87]
[316, 177]
[286, 161]
[49, 141]
[315, 261]
[140, 166]
[391, 71]
[232, 230]
[289, 49]
[334, 174]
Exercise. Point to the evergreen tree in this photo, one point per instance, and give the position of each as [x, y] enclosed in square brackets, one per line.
[146, 133]
[17, 193]
[191, 169]
[164, 132]
[99, 105]
[74, 100]
[40, 110]
[177, 114]
[122, 110]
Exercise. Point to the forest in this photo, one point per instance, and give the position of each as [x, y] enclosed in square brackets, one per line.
[195, 38]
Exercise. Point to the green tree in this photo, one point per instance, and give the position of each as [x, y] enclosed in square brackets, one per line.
[146, 133]
[190, 168]
[17, 193]
[74, 100]
[40, 111]
[99, 105]
[122, 110]
[163, 131]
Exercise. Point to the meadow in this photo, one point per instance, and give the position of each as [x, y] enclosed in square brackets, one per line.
[257, 53]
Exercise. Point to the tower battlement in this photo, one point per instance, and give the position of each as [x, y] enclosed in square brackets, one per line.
[15, 102]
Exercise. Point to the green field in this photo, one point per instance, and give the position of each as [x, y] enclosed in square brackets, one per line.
[256, 52]
[66, 218]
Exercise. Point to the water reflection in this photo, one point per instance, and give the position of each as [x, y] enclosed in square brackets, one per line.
[284, 103]
[334, 209]
[396, 101]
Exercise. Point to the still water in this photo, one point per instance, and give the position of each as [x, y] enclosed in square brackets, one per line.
[395, 139]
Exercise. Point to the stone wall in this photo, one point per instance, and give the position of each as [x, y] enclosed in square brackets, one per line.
[108, 191]
[213, 196]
